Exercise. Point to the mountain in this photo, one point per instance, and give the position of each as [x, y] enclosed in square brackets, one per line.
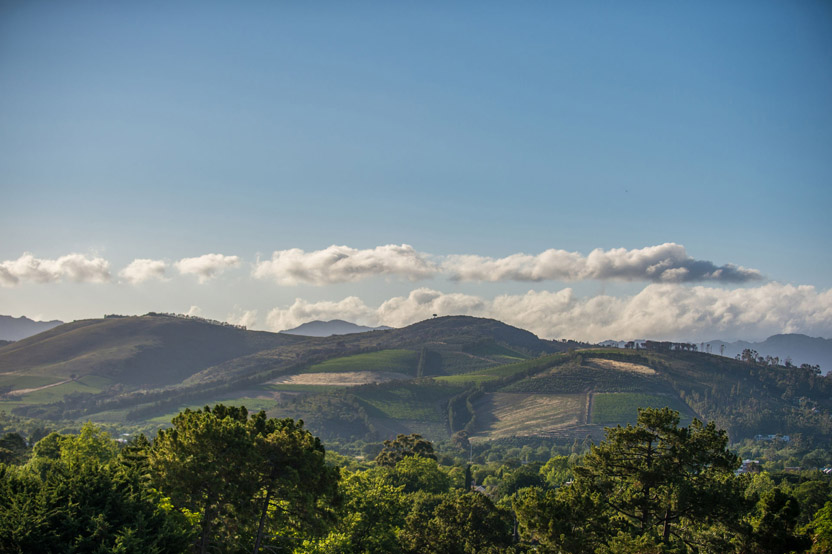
[16, 328]
[435, 377]
[150, 350]
[329, 328]
[801, 349]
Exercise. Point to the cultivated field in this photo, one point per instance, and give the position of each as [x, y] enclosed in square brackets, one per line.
[396, 361]
[621, 366]
[621, 408]
[341, 379]
[503, 415]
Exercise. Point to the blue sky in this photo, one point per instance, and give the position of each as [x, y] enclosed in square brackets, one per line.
[471, 132]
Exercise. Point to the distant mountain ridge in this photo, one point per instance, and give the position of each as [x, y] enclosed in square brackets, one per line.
[319, 328]
[18, 328]
[802, 349]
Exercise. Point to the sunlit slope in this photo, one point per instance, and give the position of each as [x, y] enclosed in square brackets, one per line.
[135, 351]
[580, 393]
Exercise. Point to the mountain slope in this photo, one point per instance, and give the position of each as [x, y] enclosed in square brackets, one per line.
[17, 328]
[151, 350]
[802, 349]
[329, 328]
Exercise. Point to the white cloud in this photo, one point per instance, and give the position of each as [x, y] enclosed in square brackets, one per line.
[246, 318]
[194, 311]
[207, 266]
[72, 267]
[659, 311]
[667, 262]
[143, 269]
[339, 264]
[351, 309]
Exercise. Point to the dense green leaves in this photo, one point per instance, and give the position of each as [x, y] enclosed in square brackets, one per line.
[74, 497]
[253, 481]
[403, 446]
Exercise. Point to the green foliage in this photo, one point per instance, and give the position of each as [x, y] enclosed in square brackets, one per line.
[373, 512]
[556, 471]
[404, 446]
[673, 484]
[821, 530]
[13, 449]
[244, 476]
[775, 525]
[417, 473]
[74, 497]
[457, 523]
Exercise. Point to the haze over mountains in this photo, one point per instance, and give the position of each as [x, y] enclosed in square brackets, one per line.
[16, 328]
[801, 349]
[328, 328]
[798, 347]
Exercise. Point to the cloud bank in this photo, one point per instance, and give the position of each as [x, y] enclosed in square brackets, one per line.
[665, 263]
[207, 266]
[668, 263]
[341, 264]
[659, 311]
[72, 267]
[143, 269]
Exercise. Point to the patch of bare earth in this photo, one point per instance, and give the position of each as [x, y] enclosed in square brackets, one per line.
[345, 379]
[21, 392]
[519, 414]
[621, 366]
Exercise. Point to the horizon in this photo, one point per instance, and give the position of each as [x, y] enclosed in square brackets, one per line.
[384, 327]
[580, 171]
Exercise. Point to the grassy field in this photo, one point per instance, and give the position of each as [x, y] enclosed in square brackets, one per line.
[501, 371]
[410, 402]
[622, 407]
[503, 415]
[15, 381]
[89, 384]
[400, 361]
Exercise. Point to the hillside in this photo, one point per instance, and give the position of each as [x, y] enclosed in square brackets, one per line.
[436, 377]
[151, 350]
[140, 365]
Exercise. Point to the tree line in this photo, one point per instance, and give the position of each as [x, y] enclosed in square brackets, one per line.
[222, 479]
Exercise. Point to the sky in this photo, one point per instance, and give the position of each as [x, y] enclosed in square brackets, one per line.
[585, 170]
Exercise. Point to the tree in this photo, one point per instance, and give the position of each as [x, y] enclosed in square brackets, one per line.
[72, 501]
[416, 473]
[456, 523]
[250, 480]
[821, 529]
[775, 525]
[13, 449]
[403, 446]
[674, 485]
[373, 511]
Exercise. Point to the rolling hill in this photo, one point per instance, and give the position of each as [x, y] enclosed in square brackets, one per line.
[436, 377]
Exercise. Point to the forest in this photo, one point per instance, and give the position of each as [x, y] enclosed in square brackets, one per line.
[222, 479]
